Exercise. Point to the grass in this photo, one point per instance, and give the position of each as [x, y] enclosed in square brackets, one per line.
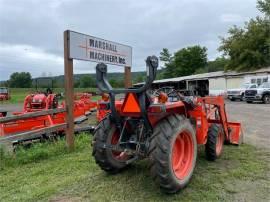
[18, 94]
[49, 172]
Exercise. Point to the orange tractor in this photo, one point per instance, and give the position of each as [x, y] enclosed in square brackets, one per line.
[166, 132]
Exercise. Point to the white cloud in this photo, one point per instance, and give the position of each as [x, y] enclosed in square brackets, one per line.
[28, 58]
[33, 30]
[232, 18]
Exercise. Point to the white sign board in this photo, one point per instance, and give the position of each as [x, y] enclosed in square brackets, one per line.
[85, 47]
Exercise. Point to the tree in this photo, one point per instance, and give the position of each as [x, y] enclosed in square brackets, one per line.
[189, 59]
[264, 7]
[76, 84]
[186, 61]
[217, 65]
[140, 78]
[212, 66]
[20, 80]
[116, 83]
[248, 48]
[87, 81]
[165, 56]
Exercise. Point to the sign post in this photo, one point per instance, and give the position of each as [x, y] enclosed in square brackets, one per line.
[89, 48]
[69, 93]
[127, 77]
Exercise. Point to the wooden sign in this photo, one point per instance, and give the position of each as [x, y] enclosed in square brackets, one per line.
[84, 47]
[90, 48]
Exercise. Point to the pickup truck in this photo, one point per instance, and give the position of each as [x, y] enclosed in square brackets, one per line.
[262, 93]
[239, 93]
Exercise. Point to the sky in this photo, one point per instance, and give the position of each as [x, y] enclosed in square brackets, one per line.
[31, 31]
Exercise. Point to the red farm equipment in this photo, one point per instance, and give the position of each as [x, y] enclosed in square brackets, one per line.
[4, 94]
[167, 132]
[39, 102]
[86, 100]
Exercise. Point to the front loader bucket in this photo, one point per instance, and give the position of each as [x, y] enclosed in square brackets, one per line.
[236, 134]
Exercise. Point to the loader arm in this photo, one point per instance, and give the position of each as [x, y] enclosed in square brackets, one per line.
[232, 130]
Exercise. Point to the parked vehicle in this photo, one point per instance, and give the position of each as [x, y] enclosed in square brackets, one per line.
[4, 94]
[239, 93]
[262, 93]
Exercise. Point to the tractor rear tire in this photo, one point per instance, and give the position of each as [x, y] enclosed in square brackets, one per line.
[215, 142]
[110, 161]
[173, 153]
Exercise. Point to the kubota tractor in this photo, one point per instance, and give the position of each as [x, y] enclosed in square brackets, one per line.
[40, 101]
[167, 132]
[4, 94]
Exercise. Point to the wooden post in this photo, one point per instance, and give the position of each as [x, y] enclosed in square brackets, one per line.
[128, 82]
[69, 94]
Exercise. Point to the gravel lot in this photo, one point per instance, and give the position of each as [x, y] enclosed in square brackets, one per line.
[255, 119]
[11, 107]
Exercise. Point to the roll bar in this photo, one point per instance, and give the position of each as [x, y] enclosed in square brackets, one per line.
[104, 85]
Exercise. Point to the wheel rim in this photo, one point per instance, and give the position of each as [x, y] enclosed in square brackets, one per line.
[219, 143]
[183, 155]
[117, 154]
[267, 98]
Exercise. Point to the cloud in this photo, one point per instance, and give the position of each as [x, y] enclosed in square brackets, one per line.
[234, 18]
[147, 26]
[28, 58]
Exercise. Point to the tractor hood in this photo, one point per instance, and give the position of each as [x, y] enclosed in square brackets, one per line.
[39, 98]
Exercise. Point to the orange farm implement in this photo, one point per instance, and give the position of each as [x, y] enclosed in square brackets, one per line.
[34, 115]
[165, 130]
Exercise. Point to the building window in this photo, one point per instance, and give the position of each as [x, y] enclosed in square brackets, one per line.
[265, 79]
[259, 81]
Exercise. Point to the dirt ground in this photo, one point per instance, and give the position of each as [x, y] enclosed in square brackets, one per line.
[11, 107]
[255, 119]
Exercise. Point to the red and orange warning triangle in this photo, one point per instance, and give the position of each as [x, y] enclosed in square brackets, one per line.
[131, 104]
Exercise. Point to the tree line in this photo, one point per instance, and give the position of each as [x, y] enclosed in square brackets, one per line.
[25, 80]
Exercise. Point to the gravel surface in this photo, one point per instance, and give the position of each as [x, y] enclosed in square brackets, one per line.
[11, 107]
[255, 120]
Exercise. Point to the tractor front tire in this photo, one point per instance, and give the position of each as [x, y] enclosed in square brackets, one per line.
[215, 142]
[173, 153]
[110, 161]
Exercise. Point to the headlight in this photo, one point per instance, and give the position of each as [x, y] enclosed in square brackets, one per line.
[259, 92]
[37, 100]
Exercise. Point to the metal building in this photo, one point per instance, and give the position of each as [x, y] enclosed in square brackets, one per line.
[213, 83]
